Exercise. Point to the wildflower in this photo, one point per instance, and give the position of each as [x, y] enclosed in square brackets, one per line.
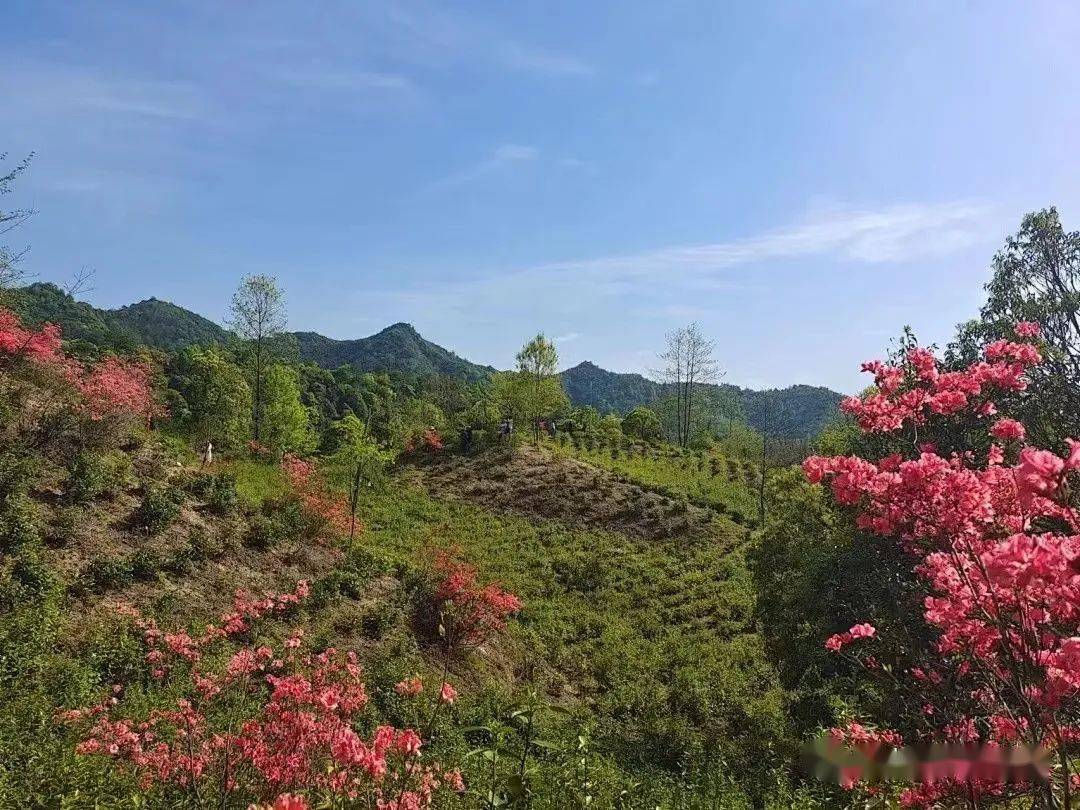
[448, 694]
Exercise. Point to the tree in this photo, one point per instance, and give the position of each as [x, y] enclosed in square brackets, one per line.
[286, 422]
[688, 363]
[1037, 278]
[258, 316]
[356, 463]
[537, 363]
[217, 397]
[9, 220]
[642, 423]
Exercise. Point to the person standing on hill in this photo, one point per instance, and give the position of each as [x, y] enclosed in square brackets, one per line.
[208, 455]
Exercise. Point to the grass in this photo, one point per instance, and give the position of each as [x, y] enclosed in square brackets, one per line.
[256, 481]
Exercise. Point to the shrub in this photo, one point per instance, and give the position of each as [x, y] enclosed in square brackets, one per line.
[159, 508]
[222, 496]
[19, 522]
[92, 476]
[204, 546]
[263, 533]
[30, 578]
[105, 573]
[217, 490]
[144, 565]
[64, 525]
[17, 473]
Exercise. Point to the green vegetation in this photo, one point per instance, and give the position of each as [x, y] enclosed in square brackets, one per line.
[708, 479]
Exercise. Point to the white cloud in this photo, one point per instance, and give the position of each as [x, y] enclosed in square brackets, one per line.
[503, 156]
[567, 338]
[344, 80]
[892, 234]
[519, 56]
[861, 236]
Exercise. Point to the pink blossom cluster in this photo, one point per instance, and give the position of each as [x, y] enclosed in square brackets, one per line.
[179, 644]
[314, 495]
[910, 393]
[475, 612]
[996, 546]
[300, 739]
[111, 387]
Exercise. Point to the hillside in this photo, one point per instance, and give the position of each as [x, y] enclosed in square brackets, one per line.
[398, 347]
[796, 412]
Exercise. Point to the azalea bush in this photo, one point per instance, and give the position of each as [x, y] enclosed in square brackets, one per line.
[993, 539]
[253, 723]
[112, 387]
[315, 496]
[470, 613]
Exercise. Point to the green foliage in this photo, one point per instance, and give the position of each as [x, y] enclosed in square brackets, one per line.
[107, 573]
[151, 323]
[20, 522]
[159, 508]
[659, 641]
[642, 423]
[93, 475]
[256, 481]
[1036, 277]
[216, 397]
[538, 391]
[725, 489]
[815, 576]
[398, 349]
[285, 421]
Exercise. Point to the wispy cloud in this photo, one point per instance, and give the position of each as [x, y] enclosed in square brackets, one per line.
[567, 338]
[344, 80]
[503, 157]
[871, 236]
[859, 236]
[522, 57]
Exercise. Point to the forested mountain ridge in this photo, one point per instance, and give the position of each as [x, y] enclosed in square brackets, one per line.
[398, 347]
[799, 411]
[152, 322]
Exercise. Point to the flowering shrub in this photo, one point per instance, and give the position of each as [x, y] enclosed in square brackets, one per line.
[472, 613]
[298, 738]
[315, 497]
[996, 547]
[430, 440]
[111, 387]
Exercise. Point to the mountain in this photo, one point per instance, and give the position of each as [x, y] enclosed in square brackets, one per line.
[797, 412]
[397, 348]
[167, 326]
[608, 391]
[150, 322]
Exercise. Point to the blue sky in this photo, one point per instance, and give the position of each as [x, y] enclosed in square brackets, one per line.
[802, 178]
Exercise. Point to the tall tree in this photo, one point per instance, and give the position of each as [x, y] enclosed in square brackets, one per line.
[286, 422]
[258, 316]
[688, 362]
[1036, 277]
[537, 363]
[216, 397]
[9, 220]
